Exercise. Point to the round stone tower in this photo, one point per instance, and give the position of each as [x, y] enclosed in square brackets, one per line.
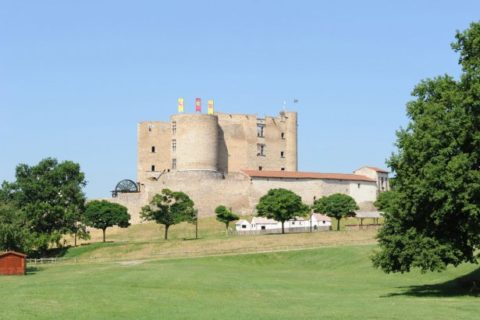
[196, 141]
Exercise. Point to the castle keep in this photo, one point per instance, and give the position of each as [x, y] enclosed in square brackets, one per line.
[234, 159]
[218, 143]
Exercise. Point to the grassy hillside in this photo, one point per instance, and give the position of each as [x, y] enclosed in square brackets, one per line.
[326, 283]
[146, 242]
[209, 228]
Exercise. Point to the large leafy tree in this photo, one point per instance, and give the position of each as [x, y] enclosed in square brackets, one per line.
[225, 215]
[281, 205]
[102, 214]
[169, 208]
[336, 206]
[49, 199]
[13, 233]
[434, 218]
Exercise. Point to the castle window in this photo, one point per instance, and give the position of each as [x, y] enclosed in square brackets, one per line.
[260, 130]
[174, 145]
[153, 149]
[283, 135]
[174, 164]
[260, 168]
[261, 150]
[149, 128]
[174, 127]
[282, 154]
[283, 169]
[153, 168]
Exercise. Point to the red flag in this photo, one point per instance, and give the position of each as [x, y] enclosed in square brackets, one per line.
[198, 105]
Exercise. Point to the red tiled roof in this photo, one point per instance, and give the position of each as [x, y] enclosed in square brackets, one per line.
[378, 169]
[306, 175]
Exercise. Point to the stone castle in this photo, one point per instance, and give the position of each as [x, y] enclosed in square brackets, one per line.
[234, 159]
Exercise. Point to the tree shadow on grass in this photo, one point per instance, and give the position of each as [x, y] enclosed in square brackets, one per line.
[56, 252]
[191, 239]
[32, 270]
[467, 285]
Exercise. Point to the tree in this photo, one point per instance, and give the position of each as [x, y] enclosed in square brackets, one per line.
[434, 220]
[385, 201]
[102, 214]
[336, 206]
[169, 208]
[14, 235]
[225, 216]
[49, 199]
[80, 232]
[281, 205]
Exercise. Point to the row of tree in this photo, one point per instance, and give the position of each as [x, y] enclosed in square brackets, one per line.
[170, 207]
[46, 202]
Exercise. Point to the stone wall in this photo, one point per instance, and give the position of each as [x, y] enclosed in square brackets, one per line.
[381, 177]
[239, 142]
[240, 192]
[157, 135]
[134, 203]
[203, 155]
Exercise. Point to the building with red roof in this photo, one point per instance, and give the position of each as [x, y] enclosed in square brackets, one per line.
[233, 160]
[13, 263]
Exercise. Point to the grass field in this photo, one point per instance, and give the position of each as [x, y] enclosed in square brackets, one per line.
[322, 275]
[326, 283]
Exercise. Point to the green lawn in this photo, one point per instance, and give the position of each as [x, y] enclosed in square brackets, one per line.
[326, 283]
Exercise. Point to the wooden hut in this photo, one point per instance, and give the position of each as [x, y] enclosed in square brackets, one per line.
[13, 263]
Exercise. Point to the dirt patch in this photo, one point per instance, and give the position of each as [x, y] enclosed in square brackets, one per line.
[131, 263]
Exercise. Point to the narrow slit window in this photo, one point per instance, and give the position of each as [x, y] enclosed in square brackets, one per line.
[260, 130]
[261, 150]
[153, 149]
[174, 127]
[153, 168]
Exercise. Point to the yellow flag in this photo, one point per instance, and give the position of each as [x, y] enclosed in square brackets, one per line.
[210, 107]
[180, 105]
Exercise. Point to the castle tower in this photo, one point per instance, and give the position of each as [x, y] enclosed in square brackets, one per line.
[291, 141]
[194, 142]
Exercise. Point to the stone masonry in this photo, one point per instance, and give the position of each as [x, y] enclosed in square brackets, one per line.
[234, 159]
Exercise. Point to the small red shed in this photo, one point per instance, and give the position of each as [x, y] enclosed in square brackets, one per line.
[13, 263]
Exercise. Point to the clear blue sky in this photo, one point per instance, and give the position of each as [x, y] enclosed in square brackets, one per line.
[77, 76]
